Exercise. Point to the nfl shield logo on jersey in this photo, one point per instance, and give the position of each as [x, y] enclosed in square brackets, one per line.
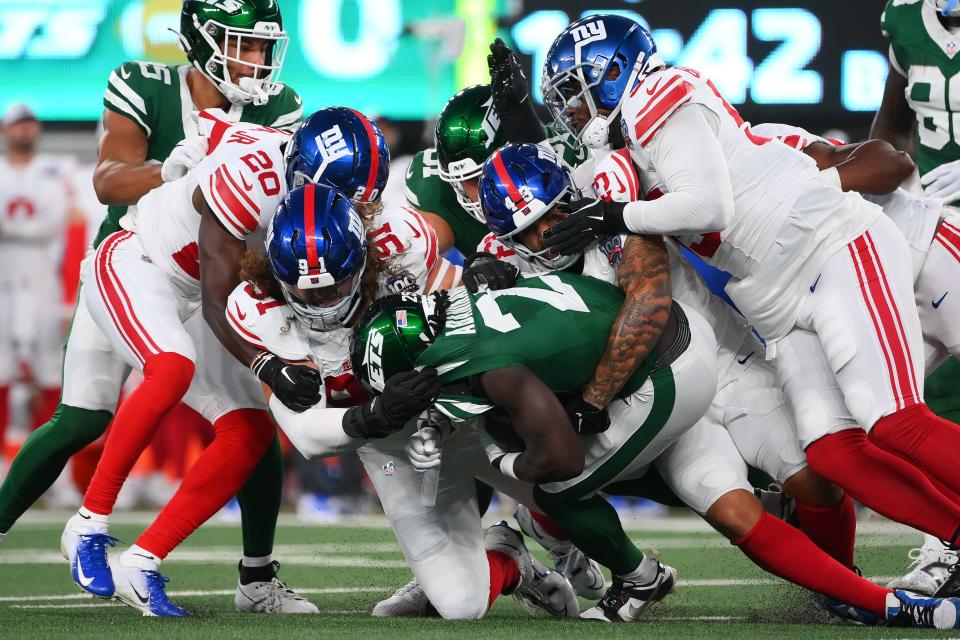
[389, 468]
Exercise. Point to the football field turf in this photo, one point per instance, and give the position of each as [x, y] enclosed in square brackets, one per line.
[345, 569]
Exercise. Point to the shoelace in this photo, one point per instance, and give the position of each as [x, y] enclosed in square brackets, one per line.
[916, 613]
[614, 598]
[94, 554]
[156, 584]
[922, 556]
[410, 587]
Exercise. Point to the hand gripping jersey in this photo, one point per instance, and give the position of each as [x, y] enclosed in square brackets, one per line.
[925, 53]
[157, 99]
[407, 247]
[916, 217]
[242, 182]
[787, 221]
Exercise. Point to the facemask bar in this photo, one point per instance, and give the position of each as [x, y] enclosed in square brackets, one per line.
[539, 257]
[570, 82]
[456, 181]
[330, 318]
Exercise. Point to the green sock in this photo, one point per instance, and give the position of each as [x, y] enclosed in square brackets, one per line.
[43, 457]
[594, 527]
[260, 501]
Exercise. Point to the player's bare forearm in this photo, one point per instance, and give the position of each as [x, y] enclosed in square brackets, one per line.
[895, 119]
[873, 167]
[644, 276]
[445, 235]
[553, 451]
[220, 255]
[121, 177]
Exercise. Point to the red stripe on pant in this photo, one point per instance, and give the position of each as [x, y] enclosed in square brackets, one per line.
[242, 437]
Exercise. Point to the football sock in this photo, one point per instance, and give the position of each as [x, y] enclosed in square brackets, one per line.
[922, 437]
[833, 529]
[241, 439]
[166, 378]
[140, 558]
[260, 500]
[549, 526]
[784, 551]
[594, 527]
[86, 520]
[643, 574]
[256, 573]
[252, 563]
[43, 457]
[504, 574]
[884, 482]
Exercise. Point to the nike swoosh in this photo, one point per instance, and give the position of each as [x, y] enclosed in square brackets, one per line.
[815, 283]
[745, 358]
[246, 185]
[416, 234]
[653, 89]
[83, 516]
[81, 578]
[240, 314]
[140, 597]
[123, 72]
[147, 557]
[936, 303]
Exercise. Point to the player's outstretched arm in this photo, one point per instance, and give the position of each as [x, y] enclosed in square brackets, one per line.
[644, 277]
[895, 120]
[873, 167]
[553, 450]
[121, 177]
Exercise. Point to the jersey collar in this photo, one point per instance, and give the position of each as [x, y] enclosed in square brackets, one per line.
[948, 42]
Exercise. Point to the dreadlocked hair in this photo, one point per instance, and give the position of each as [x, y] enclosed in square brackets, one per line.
[255, 270]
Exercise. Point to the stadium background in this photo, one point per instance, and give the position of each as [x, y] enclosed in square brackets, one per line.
[821, 65]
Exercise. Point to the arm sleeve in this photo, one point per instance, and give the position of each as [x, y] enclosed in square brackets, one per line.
[690, 161]
[317, 432]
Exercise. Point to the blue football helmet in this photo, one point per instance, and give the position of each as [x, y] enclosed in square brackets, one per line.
[343, 149]
[317, 251]
[519, 185]
[595, 62]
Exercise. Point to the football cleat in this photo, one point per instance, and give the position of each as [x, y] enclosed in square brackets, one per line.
[846, 613]
[627, 600]
[908, 610]
[932, 565]
[584, 574]
[271, 596]
[145, 591]
[86, 551]
[539, 587]
[410, 600]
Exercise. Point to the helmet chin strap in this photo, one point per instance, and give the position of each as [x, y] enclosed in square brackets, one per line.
[246, 91]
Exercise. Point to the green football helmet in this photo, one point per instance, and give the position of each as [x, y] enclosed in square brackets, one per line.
[211, 34]
[390, 336]
[468, 132]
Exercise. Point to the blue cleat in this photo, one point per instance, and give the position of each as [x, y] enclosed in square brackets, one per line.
[846, 613]
[146, 591]
[905, 609]
[90, 568]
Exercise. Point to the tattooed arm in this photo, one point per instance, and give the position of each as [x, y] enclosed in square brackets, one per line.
[644, 276]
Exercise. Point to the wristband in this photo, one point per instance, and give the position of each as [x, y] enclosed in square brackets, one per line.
[505, 464]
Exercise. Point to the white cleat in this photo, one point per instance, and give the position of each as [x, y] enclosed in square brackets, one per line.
[539, 587]
[627, 600]
[410, 600]
[144, 590]
[272, 596]
[584, 574]
[932, 564]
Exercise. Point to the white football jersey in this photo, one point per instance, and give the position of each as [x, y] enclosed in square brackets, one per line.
[787, 221]
[242, 181]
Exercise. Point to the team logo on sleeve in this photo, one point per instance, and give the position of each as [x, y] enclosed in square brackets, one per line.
[612, 247]
[389, 468]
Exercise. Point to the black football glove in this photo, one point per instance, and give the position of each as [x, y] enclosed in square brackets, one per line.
[295, 385]
[508, 83]
[482, 269]
[591, 219]
[586, 419]
[405, 395]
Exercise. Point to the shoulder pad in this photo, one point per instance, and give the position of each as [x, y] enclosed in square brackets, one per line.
[407, 245]
[615, 178]
[656, 98]
[287, 109]
[266, 323]
[131, 89]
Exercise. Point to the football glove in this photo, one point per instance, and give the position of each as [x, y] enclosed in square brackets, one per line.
[587, 420]
[185, 156]
[507, 81]
[295, 385]
[483, 270]
[591, 219]
[405, 395]
[943, 182]
[423, 448]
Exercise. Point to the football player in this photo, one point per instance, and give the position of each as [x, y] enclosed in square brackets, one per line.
[149, 109]
[820, 273]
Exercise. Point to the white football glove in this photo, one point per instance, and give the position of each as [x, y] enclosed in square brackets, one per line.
[185, 156]
[943, 182]
[423, 449]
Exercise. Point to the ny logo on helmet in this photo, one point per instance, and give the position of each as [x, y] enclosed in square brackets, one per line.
[589, 32]
[331, 144]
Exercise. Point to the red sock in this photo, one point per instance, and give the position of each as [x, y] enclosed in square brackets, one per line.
[44, 408]
[549, 526]
[922, 437]
[884, 482]
[166, 378]
[833, 529]
[4, 415]
[784, 551]
[242, 437]
[504, 574]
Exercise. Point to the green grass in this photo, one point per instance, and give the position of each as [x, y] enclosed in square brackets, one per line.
[346, 569]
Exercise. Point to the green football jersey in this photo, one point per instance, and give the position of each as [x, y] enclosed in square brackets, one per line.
[926, 53]
[555, 324]
[156, 98]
